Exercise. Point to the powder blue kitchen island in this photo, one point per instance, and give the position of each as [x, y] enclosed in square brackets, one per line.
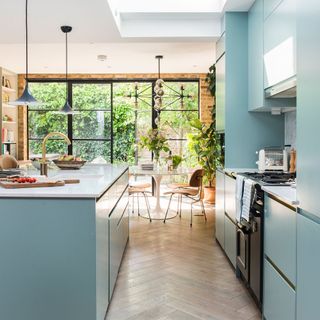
[61, 247]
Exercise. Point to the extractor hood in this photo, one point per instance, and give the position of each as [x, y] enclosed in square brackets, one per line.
[283, 89]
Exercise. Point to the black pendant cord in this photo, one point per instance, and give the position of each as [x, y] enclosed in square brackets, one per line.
[158, 68]
[67, 65]
[27, 51]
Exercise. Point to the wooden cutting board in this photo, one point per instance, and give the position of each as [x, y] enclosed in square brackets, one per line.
[38, 184]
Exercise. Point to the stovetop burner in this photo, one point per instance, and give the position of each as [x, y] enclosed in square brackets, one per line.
[272, 177]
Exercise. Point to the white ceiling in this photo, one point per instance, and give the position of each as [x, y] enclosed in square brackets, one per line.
[182, 32]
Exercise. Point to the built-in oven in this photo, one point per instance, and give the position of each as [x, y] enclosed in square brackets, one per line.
[243, 252]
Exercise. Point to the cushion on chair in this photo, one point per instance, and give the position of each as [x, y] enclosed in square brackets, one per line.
[184, 191]
[137, 184]
[178, 185]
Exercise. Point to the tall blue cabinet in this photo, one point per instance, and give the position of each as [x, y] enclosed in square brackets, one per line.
[308, 132]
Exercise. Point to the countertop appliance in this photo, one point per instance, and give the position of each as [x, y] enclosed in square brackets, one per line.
[249, 262]
[273, 158]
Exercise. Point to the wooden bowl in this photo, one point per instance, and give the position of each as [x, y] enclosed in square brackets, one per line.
[69, 165]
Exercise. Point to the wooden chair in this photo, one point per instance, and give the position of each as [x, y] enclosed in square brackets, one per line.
[192, 191]
[136, 188]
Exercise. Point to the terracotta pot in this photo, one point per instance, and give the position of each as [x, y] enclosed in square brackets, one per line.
[210, 195]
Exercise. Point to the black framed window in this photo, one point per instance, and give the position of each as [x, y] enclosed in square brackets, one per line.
[109, 121]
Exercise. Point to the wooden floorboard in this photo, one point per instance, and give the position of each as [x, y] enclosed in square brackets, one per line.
[174, 272]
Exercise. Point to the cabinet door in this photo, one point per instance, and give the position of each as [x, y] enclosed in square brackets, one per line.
[102, 252]
[280, 43]
[280, 237]
[230, 240]
[220, 93]
[230, 197]
[279, 298]
[118, 236]
[308, 266]
[269, 6]
[220, 207]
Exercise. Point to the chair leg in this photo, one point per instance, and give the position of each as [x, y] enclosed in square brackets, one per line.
[132, 210]
[148, 206]
[180, 204]
[138, 204]
[165, 217]
[203, 210]
[191, 215]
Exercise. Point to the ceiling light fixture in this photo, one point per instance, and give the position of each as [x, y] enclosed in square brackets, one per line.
[66, 109]
[158, 90]
[26, 98]
[101, 57]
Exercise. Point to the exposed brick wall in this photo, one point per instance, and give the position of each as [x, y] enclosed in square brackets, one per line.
[206, 100]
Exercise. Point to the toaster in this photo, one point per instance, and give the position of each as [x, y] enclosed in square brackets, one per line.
[273, 159]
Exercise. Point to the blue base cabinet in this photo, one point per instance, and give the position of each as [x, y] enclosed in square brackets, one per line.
[219, 230]
[279, 289]
[308, 268]
[230, 240]
[279, 298]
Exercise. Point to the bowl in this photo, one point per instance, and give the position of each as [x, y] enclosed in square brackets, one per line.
[69, 165]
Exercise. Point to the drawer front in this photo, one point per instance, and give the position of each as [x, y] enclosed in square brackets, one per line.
[279, 297]
[119, 232]
[230, 240]
[230, 197]
[280, 237]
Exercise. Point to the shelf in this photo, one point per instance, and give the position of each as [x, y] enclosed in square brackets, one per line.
[5, 105]
[9, 122]
[8, 90]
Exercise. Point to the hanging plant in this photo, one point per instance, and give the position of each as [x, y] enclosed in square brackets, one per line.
[211, 80]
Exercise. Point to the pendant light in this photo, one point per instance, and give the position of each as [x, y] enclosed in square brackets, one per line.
[158, 88]
[66, 109]
[26, 99]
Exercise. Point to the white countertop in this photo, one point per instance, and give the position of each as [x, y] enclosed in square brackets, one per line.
[94, 181]
[286, 193]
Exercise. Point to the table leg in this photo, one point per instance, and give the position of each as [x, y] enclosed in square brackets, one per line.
[157, 180]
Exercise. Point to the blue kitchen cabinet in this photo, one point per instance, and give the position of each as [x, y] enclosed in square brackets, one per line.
[220, 93]
[230, 240]
[308, 101]
[245, 132]
[230, 197]
[256, 94]
[269, 6]
[219, 230]
[280, 237]
[279, 298]
[280, 44]
[308, 266]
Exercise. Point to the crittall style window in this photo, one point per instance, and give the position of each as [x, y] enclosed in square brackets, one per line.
[110, 118]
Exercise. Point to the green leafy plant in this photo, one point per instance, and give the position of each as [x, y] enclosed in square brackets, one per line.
[204, 144]
[154, 141]
[211, 80]
[176, 160]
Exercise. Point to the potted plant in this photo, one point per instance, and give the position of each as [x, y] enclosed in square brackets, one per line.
[204, 144]
[154, 141]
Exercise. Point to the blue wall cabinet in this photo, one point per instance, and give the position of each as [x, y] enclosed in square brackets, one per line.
[245, 132]
[220, 94]
[220, 207]
[280, 237]
[280, 43]
[279, 299]
[308, 101]
[230, 240]
[269, 6]
[308, 266]
[256, 95]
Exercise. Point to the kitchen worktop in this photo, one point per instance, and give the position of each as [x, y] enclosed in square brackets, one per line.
[94, 181]
[287, 194]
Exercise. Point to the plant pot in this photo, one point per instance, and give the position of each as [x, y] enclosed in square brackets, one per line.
[210, 194]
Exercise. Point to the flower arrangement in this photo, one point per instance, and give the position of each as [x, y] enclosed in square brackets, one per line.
[154, 141]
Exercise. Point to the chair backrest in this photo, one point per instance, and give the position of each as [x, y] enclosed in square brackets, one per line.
[196, 178]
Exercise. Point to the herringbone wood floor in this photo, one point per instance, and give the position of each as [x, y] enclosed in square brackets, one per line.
[172, 271]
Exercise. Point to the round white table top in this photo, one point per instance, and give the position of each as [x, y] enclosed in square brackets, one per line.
[137, 171]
